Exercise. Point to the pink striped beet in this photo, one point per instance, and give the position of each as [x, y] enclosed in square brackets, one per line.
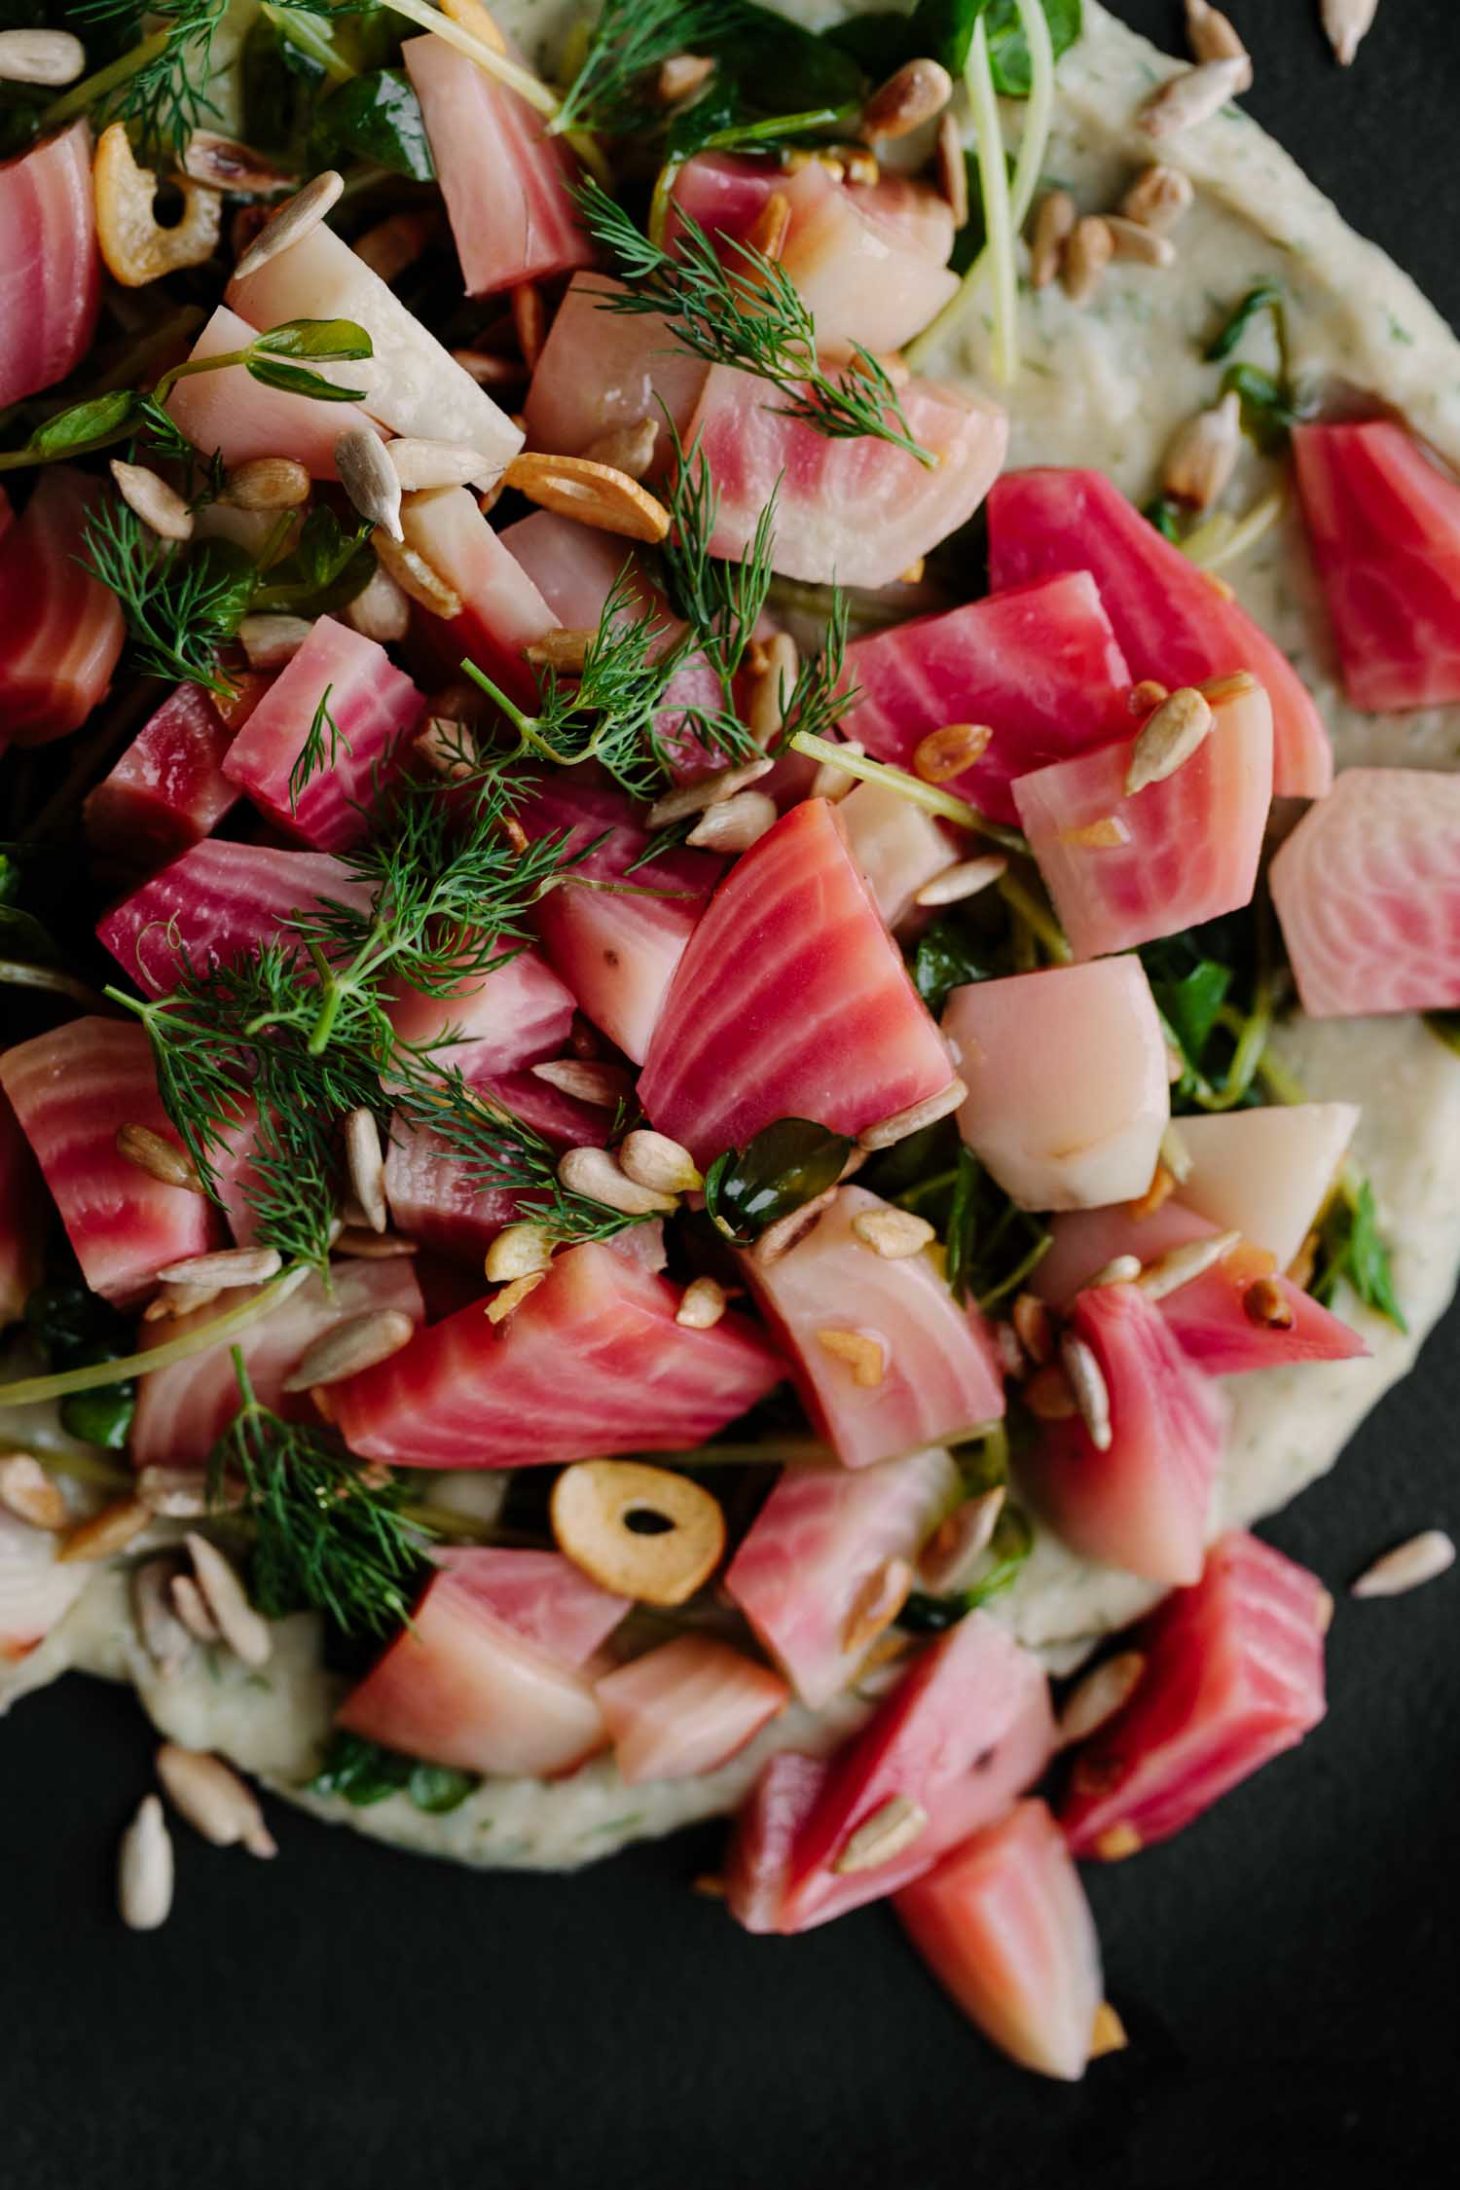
[60, 630]
[469, 1393]
[1142, 1502]
[1367, 890]
[639, 371]
[434, 1199]
[965, 1732]
[22, 1216]
[1038, 665]
[1122, 870]
[557, 1117]
[506, 182]
[686, 1708]
[375, 710]
[1383, 521]
[617, 951]
[183, 1409]
[1173, 621]
[541, 1596]
[758, 1861]
[168, 790]
[72, 1090]
[1233, 1676]
[502, 611]
[230, 412]
[1004, 1926]
[815, 1546]
[937, 1380]
[791, 1000]
[461, 1687]
[512, 1015]
[861, 511]
[50, 269]
[218, 903]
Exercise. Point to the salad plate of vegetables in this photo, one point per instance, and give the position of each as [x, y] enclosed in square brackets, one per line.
[730, 934]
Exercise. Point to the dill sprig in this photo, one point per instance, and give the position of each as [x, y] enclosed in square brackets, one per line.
[611, 93]
[321, 749]
[167, 95]
[327, 1535]
[182, 601]
[721, 599]
[749, 315]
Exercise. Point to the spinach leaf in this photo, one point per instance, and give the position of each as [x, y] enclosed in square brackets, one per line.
[785, 1166]
[779, 67]
[102, 1417]
[1008, 52]
[327, 567]
[438, 1788]
[377, 118]
[945, 958]
[77, 1328]
[943, 30]
[360, 1772]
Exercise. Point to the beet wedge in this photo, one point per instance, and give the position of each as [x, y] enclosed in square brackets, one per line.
[1004, 1926]
[1140, 1499]
[686, 1707]
[639, 371]
[1383, 521]
[435, 1200]
[592, 1361]
[502, 612]
[1233, 1676]
[72, 1090]
[540, 1595]
[1055, 1132]
[61, 630]
[813, 1554]
[515, 1012]
[168, 791]
[1122, 870]
[461, 1687]
[1266, 1172]
[50, 268]
[1367, 890]
[1039, 665]
[790, 1001]
[887, 1361]
[1172, 620]
[217, 903]
[758, 1861]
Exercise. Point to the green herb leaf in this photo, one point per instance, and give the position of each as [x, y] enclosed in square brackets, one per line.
[944, 959]
[360, 1772]
[273, 372]
[331, 340]
[85, 425]
[377, 118]
[182, 602]
[440, 1788]
[1265, 297]
[101, 1417]
[326, 568]
[1270, 408]
[1165, 514]
[1008, 51]
[1352, 1252]
[785, 1166]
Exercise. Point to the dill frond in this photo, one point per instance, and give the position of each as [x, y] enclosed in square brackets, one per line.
[182, 601]
[611, 93]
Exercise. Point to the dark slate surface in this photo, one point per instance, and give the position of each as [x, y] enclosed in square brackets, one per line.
[349, 2017]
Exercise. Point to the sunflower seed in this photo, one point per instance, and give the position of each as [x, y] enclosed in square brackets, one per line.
[1347, 23]
[144, 1869]
[1179, 1265]
[1194, 96]
[876, 1604]
[267, 482]
[416, 577]
[1202, 457]
[293, 221]
[1213, 38]
[891, 1233]
[178, 1300]
[229, 1266]
[734, 824]
[681, 76]
[786, 1232]
[511, 1297]
[49, 57]
[1133, 241]
[105, 1533]
[863, 1352]
[1265, 1303]
[1158, 197]
[420, 465]
[701, 1305]
[370, 479]
[1090, 249]
[247, 1635]
[1054, 222]
[1165, 743]
[366, 1165]
[767, 233]
[529, 321]
[911, 96]
[356, 1344]
[629, 449]
[654, 1160]
[890, 1829]
[1107, 2034]
[587, 1081]
[159, 1157]
[29, 1493]
[213, 1799]
[693, 798]
[160, 507]
[161, 1633]
[187, 1602]
[598, 1176]
[380, 610]
[945, 753]
[1033, 1326]
[1120, 1270]
[1099, 1696]
[270, 641]
[564, 649]
[967, 878]
[178, 1494]
[222, 163]
[957, 1544]
[1087, 1383]
[518, 1251]
[771, 688]
[888, 1131]
[1420, 1560]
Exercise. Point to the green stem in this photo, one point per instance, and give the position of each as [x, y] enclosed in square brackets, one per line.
[1018, 1274]
[300, 34]
[14, 974]
[1252, 1035]
[34, 1390]
[82, 97]
[993, 183]
[930, 796]
[1025, 906]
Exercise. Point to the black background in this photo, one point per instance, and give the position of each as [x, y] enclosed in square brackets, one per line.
[353, 2017]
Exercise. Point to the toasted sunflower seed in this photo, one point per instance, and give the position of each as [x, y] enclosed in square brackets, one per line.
[1054, 222]
[229, 1266]
[270, 641]
[1347, 23]
[293, 221]
[518, 1251]
[416, 577]
[49, 57]
[357, 1343]
[1034, 1327]
[145, 1869]
[702, 1304]
[178, 1300]
[421, 465]
[864, 1353]
[912, 95]
[188, 1603]
[958, 1543]
[1202, 457]
[734, 824]
[587, 1081]
[693, 798]
[1179, 1265]
[213, 1799]
[771, 688]
[1087, 1383]
[654, 1160]
[267, 482]
[1090, 249]
[1103, 1691]
[161, 1633]
[629, 449]
[1265, 1303]
[160, 507]
[366, 1164]
[893, 1233]
[1408, 1565]
[965, 879]
[599, 1177]
[107, 1532]
[29, 1493]
[370, 479]
[1212, 37]
[1194, 96]
[564, 649]
[247, 1635]
[1134, 241]
[876, 1605]
[886, 1833]
[888, 1131]
[1180, 725]
[1158, 197]
[945, 753]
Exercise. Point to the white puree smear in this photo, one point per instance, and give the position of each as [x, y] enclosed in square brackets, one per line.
[1103, 386]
